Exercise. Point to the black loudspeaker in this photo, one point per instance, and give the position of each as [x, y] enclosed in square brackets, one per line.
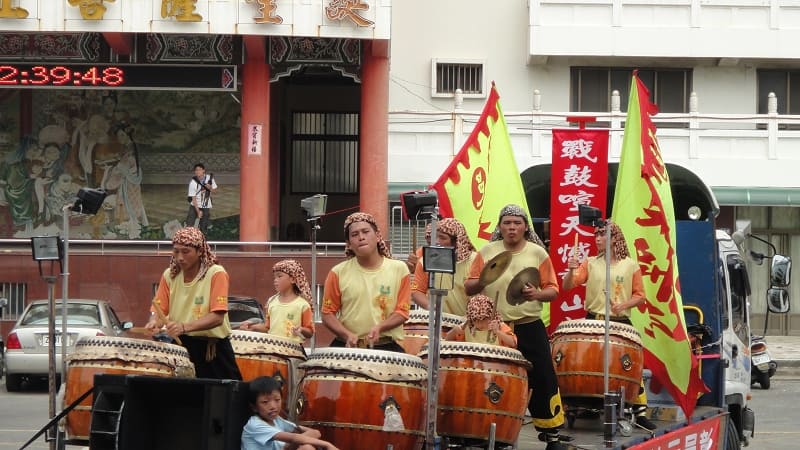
[134, 412]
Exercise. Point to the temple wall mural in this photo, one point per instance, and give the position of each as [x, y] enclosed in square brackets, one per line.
[140, 146]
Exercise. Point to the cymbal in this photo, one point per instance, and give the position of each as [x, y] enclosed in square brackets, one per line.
[495, 267]
[528, 276]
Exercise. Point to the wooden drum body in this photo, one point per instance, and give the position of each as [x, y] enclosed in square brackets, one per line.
[351, 396]
[577, 347]
[416, 329]
[116, 355]
[481, 384]
[261, 354]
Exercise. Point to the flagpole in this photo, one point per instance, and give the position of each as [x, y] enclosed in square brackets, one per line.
[611, 400]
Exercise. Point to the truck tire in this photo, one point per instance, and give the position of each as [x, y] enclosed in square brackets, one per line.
[731, 436]
[763, 380]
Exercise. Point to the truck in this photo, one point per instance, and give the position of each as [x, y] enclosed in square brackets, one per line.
[715, 288]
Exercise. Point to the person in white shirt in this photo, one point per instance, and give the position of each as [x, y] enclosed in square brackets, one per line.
[201, 187]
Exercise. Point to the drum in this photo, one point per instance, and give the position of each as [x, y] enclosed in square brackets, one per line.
[498, 390]
[577, 347]
[416, 329]
[116, 355]
[259, 354]
[360, 398]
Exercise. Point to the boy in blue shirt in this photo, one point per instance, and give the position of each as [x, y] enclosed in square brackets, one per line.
[266, 430]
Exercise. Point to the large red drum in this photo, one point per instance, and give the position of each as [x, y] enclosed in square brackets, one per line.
[577, 347]
[353, 397]
[116, 355]
[416, 329]
[261, 354]
[480, 384]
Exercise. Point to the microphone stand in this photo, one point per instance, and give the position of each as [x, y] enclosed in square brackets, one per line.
[434, 331]
[610, 399]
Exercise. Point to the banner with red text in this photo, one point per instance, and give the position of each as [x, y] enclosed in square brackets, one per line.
[579, 176]
[644, 210]
[483, 176]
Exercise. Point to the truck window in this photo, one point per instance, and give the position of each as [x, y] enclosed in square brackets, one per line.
[739, 286]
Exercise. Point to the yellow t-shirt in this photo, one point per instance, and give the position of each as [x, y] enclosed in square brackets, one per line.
[364, 298]
[532, 255]
[185, 302]
[622, 273]
[282, 317]
[455, 302]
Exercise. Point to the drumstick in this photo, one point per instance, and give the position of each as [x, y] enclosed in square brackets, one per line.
[575, 247]
[162, 317]
[140, 330]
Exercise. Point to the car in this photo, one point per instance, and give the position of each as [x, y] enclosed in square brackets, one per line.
[244, 309]
[27, 355]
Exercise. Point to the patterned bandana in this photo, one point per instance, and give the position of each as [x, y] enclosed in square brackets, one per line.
[514, 210]
[383, 249]
[458, 233]
[295, 270]
[619, 248]
[193, 237]
[481, 307]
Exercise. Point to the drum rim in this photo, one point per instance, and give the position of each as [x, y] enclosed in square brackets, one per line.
[408, 367]
[567, 327]
[238, 337]
[491, 351]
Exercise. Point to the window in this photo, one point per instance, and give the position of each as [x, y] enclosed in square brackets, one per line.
[591, 88]
[15, 293]
[786, 86]
[449, 75]
[324, 153]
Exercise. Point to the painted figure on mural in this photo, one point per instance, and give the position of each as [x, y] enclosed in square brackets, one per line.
[18, 185]
[125, 178]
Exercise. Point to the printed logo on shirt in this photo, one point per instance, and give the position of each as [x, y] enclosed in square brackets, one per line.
[199, 300]
[222, 300]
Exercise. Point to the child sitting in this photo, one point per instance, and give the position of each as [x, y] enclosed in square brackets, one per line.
[288, 313]
[483, 325]
[266, 430]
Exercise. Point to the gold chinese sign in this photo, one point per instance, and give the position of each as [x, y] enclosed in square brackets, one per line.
[91, 9]
[7, 11]
[266, 15]
[181, 10]
[348, 9]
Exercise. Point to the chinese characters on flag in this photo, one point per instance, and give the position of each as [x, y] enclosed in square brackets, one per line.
[579, 177]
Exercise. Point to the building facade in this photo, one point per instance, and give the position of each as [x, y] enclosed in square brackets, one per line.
[722, 72]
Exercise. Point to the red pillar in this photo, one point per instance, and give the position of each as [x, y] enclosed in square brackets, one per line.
[254, 167]
[374, 139]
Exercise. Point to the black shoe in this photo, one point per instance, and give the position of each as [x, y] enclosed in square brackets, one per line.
[556, 445]
[645, 423]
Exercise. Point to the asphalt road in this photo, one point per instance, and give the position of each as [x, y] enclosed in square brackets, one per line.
[22, 414]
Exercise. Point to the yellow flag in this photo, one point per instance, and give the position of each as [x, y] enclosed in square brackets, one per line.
[644, 211]
[483, 176]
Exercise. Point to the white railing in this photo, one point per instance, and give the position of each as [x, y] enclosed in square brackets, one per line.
[723, 149]
[145, 247]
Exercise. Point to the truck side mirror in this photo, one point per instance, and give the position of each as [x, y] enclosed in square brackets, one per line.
[778, 300]
[781, 271]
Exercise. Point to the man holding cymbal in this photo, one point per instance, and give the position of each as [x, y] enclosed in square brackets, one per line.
[509, 258]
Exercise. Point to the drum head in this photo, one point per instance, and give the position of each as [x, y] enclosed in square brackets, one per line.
[449, 349]
[376, 364]
[258, 343]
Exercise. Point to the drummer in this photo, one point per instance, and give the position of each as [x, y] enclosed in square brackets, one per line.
[483, 325]
[288, 313]
[514, 234]
[193, 295]
[627, 291]
[449, 233]
[367, 296]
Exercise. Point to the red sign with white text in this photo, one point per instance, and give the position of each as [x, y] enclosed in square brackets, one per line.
[579, 176]
[702, 435]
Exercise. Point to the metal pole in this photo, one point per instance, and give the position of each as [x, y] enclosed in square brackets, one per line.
[611, 422]
[434, 331]
[64, 294]
[51, 354]
[314, 294]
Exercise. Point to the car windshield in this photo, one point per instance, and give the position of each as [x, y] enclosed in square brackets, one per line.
[77, 314]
